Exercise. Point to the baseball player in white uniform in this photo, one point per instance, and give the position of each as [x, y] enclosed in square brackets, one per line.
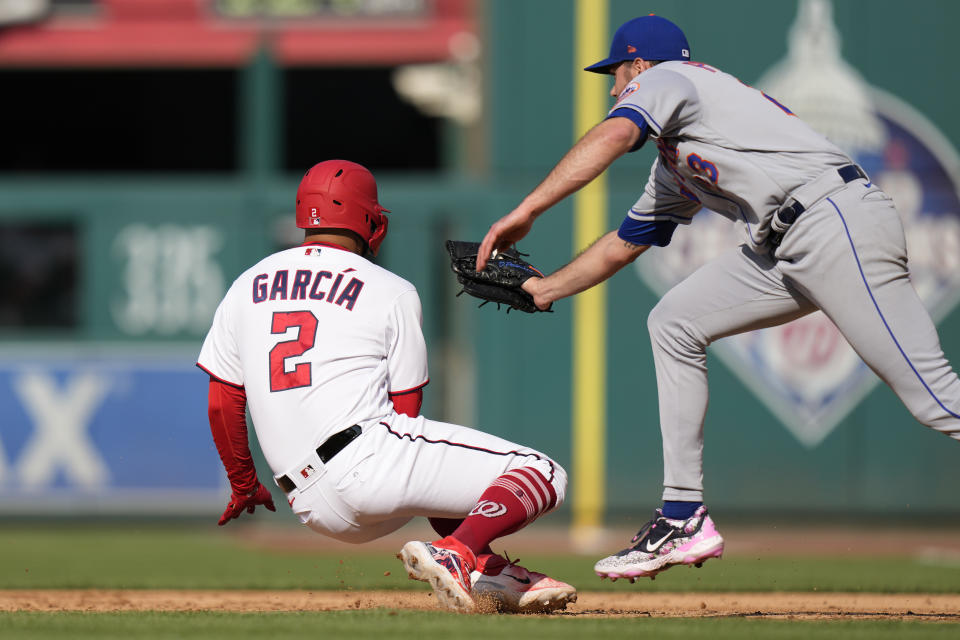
[326, 349]
[818, 234]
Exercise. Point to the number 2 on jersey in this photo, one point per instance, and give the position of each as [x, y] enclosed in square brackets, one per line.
[306, 322]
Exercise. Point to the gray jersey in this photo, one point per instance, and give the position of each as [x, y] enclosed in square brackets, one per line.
[722, 145]
[730, 148]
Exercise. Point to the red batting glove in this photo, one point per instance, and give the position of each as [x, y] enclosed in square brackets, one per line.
[238, 502]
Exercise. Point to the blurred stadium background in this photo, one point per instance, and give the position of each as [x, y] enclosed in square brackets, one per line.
[151, 151]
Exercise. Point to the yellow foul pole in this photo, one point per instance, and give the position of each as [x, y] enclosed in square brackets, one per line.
[589, 308]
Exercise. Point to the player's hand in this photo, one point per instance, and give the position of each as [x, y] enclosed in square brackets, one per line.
[505, 232]
[239, 502]
[532, 286]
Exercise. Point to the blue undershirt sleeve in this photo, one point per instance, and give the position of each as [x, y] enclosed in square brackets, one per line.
[650, 232]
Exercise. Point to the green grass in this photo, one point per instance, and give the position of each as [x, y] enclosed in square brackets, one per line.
[418, 625]
[164, 557]
[130, 557]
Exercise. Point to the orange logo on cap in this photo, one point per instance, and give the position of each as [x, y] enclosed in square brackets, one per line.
[631, 48]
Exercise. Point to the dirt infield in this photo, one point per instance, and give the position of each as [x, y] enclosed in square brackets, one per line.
[596, 604]
[942, 546]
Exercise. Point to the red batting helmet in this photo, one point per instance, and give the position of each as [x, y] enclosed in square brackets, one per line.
[339, 194]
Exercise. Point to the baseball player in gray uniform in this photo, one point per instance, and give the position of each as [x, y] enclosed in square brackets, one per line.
[818, 234]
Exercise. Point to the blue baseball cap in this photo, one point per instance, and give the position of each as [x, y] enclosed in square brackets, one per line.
[649, 37]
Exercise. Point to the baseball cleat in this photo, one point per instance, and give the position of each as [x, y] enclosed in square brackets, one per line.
[446, 570]
[500, 584]
[662, 543]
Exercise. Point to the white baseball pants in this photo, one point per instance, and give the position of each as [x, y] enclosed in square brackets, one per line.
[403, 467]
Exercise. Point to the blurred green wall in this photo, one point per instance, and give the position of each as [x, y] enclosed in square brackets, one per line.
[877, 459]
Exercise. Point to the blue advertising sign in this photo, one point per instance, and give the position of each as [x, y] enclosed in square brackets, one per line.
[100, 431]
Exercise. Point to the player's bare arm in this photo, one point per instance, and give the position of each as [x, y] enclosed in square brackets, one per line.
[588, 158]
[598, 262]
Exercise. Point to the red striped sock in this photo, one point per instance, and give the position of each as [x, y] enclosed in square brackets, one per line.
[511, 502]
[446, 526]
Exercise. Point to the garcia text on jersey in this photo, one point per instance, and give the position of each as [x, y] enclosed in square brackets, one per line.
[307, 285]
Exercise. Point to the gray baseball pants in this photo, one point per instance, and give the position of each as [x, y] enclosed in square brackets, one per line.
[845, 255]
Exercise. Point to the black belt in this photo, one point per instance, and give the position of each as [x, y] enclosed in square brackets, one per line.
[789, 214]
[330, 447]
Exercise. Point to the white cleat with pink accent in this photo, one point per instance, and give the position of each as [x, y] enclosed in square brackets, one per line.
[662, 543]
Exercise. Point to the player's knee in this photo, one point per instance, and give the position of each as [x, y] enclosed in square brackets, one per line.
[671, 331]
[933, 416]
[662, 319]
[662, 324]
[342, 531]
[559, 483]
[351, 534]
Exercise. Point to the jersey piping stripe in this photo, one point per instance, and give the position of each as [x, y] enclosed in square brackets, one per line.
[637, 215]
[743, 216]
[401, 436]
[882, 317]
[218, 379]
[659, 217]
[410, 390]
[646, 115]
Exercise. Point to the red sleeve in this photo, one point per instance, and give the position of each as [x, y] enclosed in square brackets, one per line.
[409, 402]
[228, 423]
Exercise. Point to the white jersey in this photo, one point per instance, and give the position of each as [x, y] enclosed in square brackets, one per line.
[317, 336]
[722, 145]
